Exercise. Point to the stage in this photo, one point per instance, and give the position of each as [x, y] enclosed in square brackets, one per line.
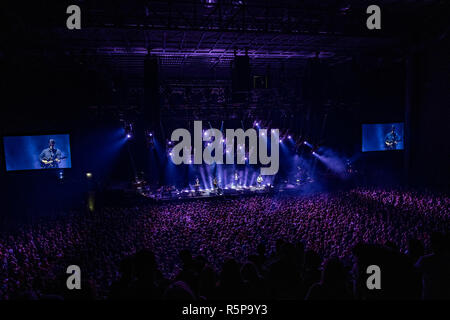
[175, 194]
[172, 193]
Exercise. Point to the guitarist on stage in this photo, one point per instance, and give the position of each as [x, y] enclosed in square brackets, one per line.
[50, 157]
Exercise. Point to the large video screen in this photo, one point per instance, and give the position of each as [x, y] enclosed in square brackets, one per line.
[382, 137]
[37, 152]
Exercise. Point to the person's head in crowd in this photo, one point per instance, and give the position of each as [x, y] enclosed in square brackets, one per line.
[126, 268]
[438, 242]
[230, 272]
[261, 249]
[179, 291]
[145, 264]
[278, 245]
[186, 257]
[312, 260]
[249, 272]
[415, 249]
[334, 273]
[207, 282]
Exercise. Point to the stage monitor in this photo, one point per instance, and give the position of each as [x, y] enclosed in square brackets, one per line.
[382, 137]
[37, 152]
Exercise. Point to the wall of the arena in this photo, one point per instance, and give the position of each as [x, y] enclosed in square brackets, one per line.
[430, 154]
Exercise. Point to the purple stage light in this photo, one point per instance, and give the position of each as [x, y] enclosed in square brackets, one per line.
[289, 137]
[308, 144]
[128, 136]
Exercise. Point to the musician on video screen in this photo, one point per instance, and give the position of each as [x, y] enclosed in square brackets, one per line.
[50, 157]
[392, 139]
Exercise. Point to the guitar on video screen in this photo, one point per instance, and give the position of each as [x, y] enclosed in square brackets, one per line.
[51, 162]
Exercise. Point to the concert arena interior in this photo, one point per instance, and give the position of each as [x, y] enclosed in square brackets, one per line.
[221, 150]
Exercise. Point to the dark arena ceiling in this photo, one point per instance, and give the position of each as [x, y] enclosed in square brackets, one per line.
[196, 40]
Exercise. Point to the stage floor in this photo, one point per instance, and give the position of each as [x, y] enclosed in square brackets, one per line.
[188, 194]
[206, 193]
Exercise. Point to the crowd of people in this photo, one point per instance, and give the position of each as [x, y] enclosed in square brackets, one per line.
[260, 247]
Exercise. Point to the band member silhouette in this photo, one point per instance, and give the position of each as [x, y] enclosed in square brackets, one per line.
[259, 180]
[236, 178]
[392, 139]
[50, 157]
[197, 185]
[217, 188]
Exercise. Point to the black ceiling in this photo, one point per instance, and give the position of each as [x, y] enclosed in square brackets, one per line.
[202, 36]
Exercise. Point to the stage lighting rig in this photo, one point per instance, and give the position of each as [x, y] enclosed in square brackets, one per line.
[128, 128]
[149, 138]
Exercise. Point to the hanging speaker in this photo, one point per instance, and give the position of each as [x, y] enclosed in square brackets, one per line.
[241, 80]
